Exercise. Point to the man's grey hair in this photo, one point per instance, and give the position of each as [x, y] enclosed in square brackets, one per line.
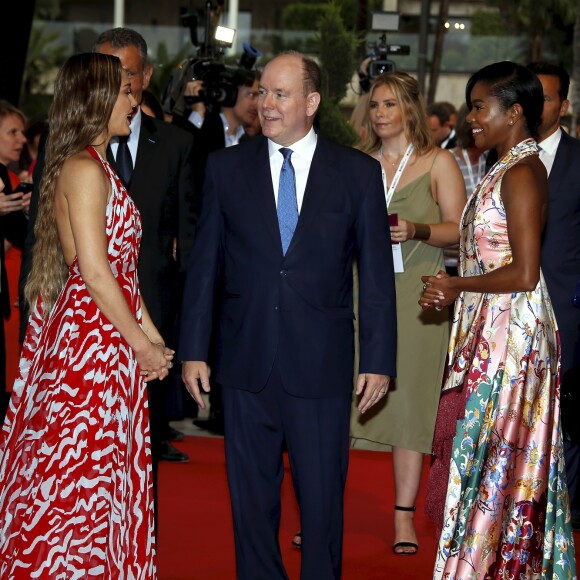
[122, 38]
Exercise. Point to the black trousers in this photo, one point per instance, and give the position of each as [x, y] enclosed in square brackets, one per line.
[258, 427]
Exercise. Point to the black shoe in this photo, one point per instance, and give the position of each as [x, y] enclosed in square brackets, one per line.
[174, 434]
[170, 453]
[215, 426]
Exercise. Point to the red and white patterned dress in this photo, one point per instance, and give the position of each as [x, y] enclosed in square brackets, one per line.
[76, 495]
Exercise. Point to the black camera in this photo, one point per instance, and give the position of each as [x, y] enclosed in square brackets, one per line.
[379, 63]
[379, 52]
[220, 81]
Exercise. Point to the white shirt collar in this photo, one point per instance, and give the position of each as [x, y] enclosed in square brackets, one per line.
[550, 144]
[303, 147]
[133, 140]
[302, 154]
[233, 138]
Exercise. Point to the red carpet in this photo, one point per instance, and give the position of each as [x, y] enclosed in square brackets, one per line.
[195, 530]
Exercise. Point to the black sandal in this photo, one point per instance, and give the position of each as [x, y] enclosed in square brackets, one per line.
[405, 544]
[297, 543]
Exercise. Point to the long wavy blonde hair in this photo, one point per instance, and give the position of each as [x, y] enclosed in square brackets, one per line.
[413, 113]
[85, 92]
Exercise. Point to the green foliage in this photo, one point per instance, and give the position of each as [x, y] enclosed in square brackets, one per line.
[301, 16]
[336, 49]
[44, 57]
[485, 23]
[546, 24]
[164, 66]
[305, 14]
[333, 124]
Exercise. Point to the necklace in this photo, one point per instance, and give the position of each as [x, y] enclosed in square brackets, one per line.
[388, 158]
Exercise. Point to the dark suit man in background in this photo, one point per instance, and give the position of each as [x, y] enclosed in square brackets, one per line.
[442, 117]
[560, 257]
[161, 184]
[285, 342]
[215, 127]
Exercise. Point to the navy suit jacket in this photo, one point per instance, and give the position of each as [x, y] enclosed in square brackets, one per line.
[561, 242]
[297, 308]
[162, 187]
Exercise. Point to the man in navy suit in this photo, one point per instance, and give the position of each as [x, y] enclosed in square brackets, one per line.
[560, 260]
[285, 340]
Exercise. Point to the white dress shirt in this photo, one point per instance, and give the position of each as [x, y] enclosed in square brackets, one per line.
[133, 139]
[301, 159]
[548, 148]
[230, 139]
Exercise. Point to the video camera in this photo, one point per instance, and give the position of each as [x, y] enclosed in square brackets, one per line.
[220, 81]
[379, 62]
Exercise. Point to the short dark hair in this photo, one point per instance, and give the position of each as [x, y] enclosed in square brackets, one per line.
[312, 75]
[511, 83]
[250, 76]
[442, 110]
[553, 70]
[311, 79]
[122, 38]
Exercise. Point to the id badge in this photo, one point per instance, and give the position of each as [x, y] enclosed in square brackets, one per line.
[398, 266]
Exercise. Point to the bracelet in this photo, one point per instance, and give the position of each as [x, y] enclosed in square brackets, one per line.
[422, 232]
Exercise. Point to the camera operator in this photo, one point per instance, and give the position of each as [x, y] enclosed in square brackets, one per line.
[214, 127]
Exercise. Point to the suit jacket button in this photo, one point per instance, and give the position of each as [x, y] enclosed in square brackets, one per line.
[282, 272]
[275, 308]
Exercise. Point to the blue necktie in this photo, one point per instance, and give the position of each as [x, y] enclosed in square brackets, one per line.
[287, 205]
[124, 161]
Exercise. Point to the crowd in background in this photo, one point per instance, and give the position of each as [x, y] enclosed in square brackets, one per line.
[440, 173]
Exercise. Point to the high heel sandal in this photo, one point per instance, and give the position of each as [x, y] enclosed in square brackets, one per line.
[405, 544]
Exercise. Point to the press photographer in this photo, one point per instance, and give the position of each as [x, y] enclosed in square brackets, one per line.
[378, 61]
[217, 103]
[214, 101]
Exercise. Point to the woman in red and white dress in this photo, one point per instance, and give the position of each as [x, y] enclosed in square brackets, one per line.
[76, 495]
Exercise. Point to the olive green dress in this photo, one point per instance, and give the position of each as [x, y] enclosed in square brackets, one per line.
[406, 417]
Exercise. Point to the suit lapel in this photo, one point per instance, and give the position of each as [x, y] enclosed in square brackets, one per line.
[146, 150]
[259, 181]
[318, 187]
[560, 161]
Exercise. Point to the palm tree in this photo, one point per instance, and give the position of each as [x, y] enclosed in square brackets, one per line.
[535, 19]
[437, 50]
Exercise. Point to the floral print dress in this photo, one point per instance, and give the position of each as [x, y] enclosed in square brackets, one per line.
[506, 512]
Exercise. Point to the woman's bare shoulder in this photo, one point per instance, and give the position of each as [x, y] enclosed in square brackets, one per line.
[82, 173]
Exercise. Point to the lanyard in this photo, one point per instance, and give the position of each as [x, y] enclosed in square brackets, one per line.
[391, 190]
[480, 167]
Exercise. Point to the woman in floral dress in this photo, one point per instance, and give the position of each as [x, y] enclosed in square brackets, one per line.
[497, 486]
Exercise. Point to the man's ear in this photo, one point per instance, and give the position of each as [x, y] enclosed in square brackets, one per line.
[564, 107]
[147, 75]
[312, 103]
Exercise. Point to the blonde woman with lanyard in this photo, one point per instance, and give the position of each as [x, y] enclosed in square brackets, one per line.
[425, 197]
